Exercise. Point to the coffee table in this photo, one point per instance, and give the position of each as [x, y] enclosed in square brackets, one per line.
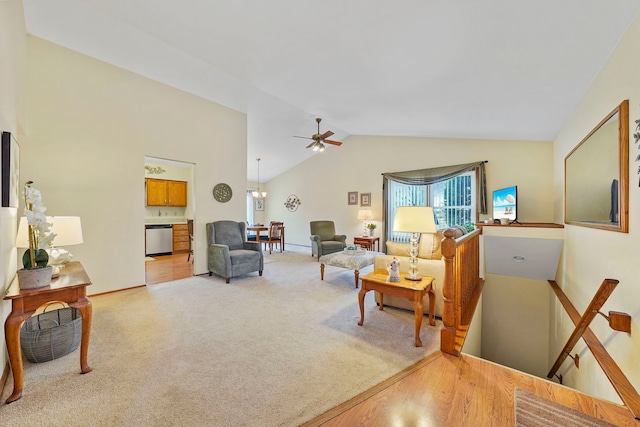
[413, 290]
[353, 262]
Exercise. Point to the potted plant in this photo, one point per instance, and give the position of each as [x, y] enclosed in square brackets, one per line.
[35, 273]
[371, 226]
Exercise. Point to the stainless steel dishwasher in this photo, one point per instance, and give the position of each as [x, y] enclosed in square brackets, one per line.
[158, 239]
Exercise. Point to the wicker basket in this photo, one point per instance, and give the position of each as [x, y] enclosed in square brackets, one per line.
[51, 334]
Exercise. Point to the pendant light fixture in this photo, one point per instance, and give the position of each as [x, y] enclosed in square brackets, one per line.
[257, 193]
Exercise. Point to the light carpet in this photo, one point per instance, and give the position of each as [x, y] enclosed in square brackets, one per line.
[276, 350]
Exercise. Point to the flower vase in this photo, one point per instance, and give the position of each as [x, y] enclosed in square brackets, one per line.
[370, 233]
[31, 278]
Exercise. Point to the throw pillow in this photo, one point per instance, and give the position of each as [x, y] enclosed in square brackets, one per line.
[397, 249]
[429, 245]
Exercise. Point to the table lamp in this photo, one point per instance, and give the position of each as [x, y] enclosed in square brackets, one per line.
[414, 220]
[68, 232]
[365, 215]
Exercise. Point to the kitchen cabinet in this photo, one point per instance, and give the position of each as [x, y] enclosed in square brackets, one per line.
[180, 238]
[162, 192]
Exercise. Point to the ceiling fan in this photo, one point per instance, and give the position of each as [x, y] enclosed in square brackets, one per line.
[319, 139]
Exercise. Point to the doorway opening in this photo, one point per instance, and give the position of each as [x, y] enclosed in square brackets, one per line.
[169, 207]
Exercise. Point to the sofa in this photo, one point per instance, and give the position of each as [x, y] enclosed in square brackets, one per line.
[430, 263]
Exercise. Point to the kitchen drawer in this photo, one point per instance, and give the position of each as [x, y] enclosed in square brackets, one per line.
[181, 227]
[180, 235]
[180, 246]
[184, 238]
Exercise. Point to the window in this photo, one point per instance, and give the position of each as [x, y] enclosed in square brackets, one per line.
[250, 213]
[453, 201]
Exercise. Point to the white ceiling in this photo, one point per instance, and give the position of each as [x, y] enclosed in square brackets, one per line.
[500, 69]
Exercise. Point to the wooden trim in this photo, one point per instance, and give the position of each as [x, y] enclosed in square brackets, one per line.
[523, 224]
[618, 380]
[116, 290]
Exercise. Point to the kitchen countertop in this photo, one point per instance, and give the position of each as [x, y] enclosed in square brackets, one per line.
[164, 220]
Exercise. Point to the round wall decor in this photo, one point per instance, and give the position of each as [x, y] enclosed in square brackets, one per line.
[292, 203]
[222, 192]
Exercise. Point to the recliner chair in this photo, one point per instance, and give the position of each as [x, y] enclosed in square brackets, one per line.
[228, 254]
[324, 239]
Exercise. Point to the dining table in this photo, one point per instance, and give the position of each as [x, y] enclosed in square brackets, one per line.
[257, 228]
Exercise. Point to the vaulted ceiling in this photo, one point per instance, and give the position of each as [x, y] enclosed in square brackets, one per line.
[499, 69]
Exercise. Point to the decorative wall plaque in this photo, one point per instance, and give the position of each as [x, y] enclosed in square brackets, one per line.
[222, 193]
[292, 203]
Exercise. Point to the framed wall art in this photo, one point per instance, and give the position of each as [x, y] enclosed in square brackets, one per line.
[352, 197]
[259, 203]
[365, 199]
[10, 160]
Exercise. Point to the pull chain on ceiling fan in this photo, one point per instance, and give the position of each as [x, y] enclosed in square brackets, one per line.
[320, 139]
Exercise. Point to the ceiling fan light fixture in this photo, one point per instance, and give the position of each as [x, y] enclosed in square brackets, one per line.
[319, 139]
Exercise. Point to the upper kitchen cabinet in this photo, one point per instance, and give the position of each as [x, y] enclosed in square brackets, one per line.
[161, 192]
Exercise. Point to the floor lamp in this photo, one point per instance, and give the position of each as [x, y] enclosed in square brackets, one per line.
[414, 220]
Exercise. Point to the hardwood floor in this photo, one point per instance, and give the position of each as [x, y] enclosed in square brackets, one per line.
[444, 390]
[167, 268]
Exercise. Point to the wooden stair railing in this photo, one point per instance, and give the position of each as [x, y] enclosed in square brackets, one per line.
[618, 380]
[604, 292]
[461, 289]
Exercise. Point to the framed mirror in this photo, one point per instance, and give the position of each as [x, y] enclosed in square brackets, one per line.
[596, 175]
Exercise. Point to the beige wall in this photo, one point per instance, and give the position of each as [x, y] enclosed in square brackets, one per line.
[322, 182]
[591, 255]
[12, 119]
[91, 125]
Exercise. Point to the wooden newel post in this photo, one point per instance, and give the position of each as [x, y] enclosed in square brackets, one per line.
[448, 332]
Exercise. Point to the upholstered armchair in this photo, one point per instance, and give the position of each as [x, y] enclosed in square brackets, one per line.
[324, 239]
[228, 254]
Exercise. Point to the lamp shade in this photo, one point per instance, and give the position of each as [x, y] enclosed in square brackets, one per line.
[68, 231]
[365, 214]
[414, 219]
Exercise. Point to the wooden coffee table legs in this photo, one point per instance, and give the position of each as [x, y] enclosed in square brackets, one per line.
[356, 272]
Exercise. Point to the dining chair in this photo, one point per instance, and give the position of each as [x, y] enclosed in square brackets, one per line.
[190, 230]
[275, 236]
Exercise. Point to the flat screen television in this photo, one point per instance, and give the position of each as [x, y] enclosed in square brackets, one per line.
[505, 203]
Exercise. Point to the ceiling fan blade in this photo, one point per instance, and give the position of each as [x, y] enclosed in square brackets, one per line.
[328, 141]
[327, 134]
[310, 145]
[303, 137]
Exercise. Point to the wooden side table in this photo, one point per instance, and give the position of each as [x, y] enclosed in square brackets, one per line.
[367, 242]
[413, 290]
[69, 287]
